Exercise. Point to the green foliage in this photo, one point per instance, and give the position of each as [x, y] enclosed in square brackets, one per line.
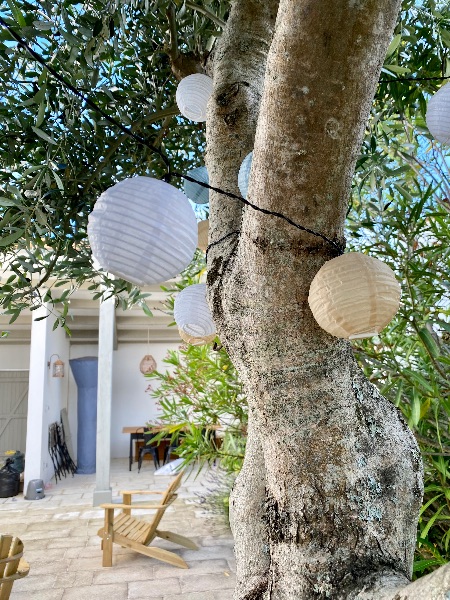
[201, 389]
[57, 155]
[400, 215]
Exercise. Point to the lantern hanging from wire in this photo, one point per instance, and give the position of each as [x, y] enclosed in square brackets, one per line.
[438, 115]
[148, 363]
[143, 230]
[354, 296]
[203, 229]
[194, 191]
[244, 174]
[191, 312]
[192, 95]
[196, 341]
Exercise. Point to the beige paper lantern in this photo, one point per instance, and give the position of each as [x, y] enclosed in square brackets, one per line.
[203, 228]
[147, 364]
[196, 341]
[354, 296]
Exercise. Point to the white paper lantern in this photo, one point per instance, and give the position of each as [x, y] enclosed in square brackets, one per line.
[195, 192]
[203, 229]
[196, 341]
[193, 93]
[143, 230]
[147, 364]
[438, 115]
[354, 296]
[244, 174]
[191, 312]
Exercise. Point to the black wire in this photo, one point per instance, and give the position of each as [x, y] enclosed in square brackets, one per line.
[413, 79]
[87, 100]
[263, 210]
[169, 174]
[237, 232]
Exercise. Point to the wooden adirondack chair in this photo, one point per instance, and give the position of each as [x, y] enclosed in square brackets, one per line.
[12, 565]
[138, 534]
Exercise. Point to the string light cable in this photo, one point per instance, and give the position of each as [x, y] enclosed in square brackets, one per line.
[167, 177]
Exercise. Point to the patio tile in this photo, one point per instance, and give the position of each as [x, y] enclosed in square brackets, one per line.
[195, 566]
[99, 592]
[43, 595]
[191, 582]
[154, 589]
[193, 596]
[123, 575]
[63, 549]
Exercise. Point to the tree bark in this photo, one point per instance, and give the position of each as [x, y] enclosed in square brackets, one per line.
[341, 470]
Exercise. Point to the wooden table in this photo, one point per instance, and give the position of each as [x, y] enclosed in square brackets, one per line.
[136, 434]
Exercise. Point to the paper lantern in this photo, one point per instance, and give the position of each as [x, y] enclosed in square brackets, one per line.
[195, 192]
[354, 296]
[203, 228]
[196, 341]
[147, 364]
[244, 174]
[191, 312]
[193, 93]
[143, 230]
[438, 115]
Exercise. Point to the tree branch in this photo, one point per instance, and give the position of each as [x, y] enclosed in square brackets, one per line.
[215, 19]
[161, 114]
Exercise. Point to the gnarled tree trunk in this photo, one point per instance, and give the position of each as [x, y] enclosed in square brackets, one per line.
[327, 502]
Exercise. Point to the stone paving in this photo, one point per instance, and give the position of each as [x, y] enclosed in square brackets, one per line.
[62, 547]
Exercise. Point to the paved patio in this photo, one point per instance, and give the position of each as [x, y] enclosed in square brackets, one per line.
[61, 545]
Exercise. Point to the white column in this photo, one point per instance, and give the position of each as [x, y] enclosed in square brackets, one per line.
[102, 492]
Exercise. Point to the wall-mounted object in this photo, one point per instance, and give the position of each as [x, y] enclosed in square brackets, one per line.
[143, 230]
[58, 366]
[194, 191]
[438, 114]
[192, 95]
[354, 296]
[191, 312]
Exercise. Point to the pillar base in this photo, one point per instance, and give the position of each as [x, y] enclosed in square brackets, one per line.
[101, 496]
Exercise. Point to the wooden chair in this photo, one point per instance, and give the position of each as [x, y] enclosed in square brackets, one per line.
[12, 565]
[138, 534]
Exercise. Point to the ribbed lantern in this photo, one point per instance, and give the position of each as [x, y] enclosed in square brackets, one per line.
[244, 174]
[191, 312]
[195, 192]
[438, 115]
[196, 341]
[203, 228]
[193, 93]
[147, 364]
[354, 296]
[143, 230]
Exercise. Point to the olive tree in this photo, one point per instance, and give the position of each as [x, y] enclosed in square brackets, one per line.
[327, 501]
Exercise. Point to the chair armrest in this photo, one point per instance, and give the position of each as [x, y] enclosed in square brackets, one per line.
[138, 505]
[139, 492]
[141, 505]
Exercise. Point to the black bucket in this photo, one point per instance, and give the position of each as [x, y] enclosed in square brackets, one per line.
[9, 483]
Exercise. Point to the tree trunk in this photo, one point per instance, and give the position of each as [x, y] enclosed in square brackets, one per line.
[327, 503]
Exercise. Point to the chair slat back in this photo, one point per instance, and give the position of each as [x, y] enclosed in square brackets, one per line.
[11, 551]
[168, 496]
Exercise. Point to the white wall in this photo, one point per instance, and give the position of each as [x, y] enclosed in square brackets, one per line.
[131, 405]
[14, 356]
[47, 395]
